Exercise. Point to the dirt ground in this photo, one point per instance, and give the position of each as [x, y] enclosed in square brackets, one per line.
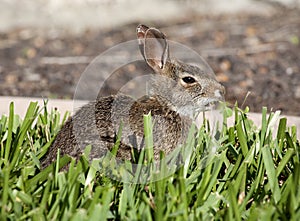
[256, 54]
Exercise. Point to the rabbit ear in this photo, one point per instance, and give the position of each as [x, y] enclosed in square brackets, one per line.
[141, 33]
[154, 46]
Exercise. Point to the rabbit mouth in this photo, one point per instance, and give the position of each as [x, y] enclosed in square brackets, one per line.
[195, 109]
[212, 104]
[209, 105]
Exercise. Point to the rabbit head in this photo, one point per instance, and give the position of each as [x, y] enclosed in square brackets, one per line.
[184, 88]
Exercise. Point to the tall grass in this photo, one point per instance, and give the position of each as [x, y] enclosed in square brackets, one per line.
[254, 175]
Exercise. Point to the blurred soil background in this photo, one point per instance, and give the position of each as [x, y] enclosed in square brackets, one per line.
[252, 46]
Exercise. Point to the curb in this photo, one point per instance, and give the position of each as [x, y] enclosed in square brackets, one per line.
[21, 104]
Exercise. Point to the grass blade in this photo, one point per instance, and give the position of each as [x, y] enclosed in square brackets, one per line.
[271, 173]
[148, 133]
[9, 133]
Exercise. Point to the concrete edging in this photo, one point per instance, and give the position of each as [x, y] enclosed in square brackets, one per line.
[21, 104]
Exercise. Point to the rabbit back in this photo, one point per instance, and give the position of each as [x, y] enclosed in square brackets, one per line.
[97, 124]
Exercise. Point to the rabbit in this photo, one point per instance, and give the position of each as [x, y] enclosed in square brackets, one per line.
[177, 90]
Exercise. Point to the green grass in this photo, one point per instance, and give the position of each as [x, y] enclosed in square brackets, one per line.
[254, 175]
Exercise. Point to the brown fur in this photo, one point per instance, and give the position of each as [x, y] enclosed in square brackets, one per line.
[170, 101]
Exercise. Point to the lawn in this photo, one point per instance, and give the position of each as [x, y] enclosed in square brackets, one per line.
[254, 174]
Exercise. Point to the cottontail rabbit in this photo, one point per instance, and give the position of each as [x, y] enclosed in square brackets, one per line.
[177, 89]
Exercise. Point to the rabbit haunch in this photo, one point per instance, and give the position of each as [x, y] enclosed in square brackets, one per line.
[178, 90]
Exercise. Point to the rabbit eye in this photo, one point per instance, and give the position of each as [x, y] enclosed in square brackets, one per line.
[189, 80]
